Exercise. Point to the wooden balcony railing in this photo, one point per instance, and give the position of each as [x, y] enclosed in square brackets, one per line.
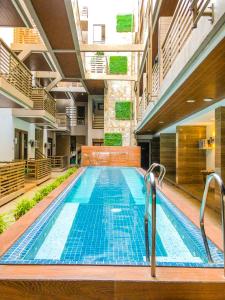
[96, 64]
[63, 121]
[59, 162]
[38, 168]
[12, 177]
[186, 15]
[14, 71]
[43, 101]
[26, 36]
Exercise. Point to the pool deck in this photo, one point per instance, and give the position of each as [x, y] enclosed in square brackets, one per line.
[111, 282]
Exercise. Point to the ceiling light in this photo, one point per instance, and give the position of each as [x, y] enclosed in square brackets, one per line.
[208, 99]
[161, 122]
[190, 101]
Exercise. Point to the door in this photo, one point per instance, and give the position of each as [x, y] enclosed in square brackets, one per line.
[21, 144]
[144, 154]
[50, 146]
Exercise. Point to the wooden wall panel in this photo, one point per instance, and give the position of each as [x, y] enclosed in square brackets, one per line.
[190, 160]
[110, 156]
[168, 152]
[63, 146]
[220, 141]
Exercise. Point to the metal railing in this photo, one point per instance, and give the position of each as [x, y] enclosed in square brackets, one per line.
[185, 18]
[43, 101]
[97, 64]
[202, 213]
[14, 71]
[162, 172]
[150, 192]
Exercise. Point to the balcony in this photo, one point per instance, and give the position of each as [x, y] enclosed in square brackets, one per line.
[63, 122]
[15, 80]
[190, 42]
[43, 112]
[26, 36]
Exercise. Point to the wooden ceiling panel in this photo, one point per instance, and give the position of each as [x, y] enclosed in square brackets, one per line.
[9, 16]
[80, 97]
[69, 64]
[53, 17]
[37, 62]
[95, 87]
[207, 81]
[59, 95]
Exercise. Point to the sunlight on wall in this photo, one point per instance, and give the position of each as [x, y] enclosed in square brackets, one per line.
[6, 34]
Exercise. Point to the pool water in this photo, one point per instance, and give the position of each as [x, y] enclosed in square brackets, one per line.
[99, 219]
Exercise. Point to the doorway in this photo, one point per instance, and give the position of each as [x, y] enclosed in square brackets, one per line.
[21, 145]
[144, 154]
[50, 146]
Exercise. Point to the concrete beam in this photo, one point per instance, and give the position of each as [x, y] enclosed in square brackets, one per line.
[110, 77]
[45, 74]
[73, 89]
[112, 48]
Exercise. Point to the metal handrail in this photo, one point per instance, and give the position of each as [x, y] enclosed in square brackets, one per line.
[151, 191]
[202, 213]
[161, 174]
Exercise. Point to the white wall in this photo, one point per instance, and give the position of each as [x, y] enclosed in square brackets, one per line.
[6, 135]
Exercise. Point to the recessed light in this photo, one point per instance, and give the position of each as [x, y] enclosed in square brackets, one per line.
[161, 122]
[208, 99]
[190, 101]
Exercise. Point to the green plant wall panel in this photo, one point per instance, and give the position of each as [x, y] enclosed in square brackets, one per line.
[118, 64]
[113, 139]
[125, 23]
[123, 110]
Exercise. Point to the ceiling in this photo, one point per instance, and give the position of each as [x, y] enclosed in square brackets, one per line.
[9, 15]
[37, 62]
[57, 30]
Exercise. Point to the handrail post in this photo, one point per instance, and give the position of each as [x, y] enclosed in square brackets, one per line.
[150, 192]
[202, 213]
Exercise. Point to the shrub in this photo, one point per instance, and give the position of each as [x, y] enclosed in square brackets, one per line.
[22, 207]
[113, 139]
[123, 110]
[2, 224]
[26, 204]
[125, 23]
[118, 64]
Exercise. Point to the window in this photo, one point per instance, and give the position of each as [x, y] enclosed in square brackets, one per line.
[99, 33]
[80, 115]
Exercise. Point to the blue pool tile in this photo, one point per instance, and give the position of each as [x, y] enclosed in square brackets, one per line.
[99, 220]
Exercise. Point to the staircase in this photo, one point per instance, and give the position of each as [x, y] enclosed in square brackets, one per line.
[98, 122]
[39, 154]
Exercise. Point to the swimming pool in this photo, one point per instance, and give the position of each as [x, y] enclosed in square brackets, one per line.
[99, 220]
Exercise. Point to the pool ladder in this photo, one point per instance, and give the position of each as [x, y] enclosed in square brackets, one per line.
[150, 183]
[202, 213]
[162, 172]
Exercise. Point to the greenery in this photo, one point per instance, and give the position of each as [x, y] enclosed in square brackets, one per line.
[125, 23]
[22, 207]
[124, 110]
[113, 139]
[26, 204]
[3, 224]
[118, 64]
